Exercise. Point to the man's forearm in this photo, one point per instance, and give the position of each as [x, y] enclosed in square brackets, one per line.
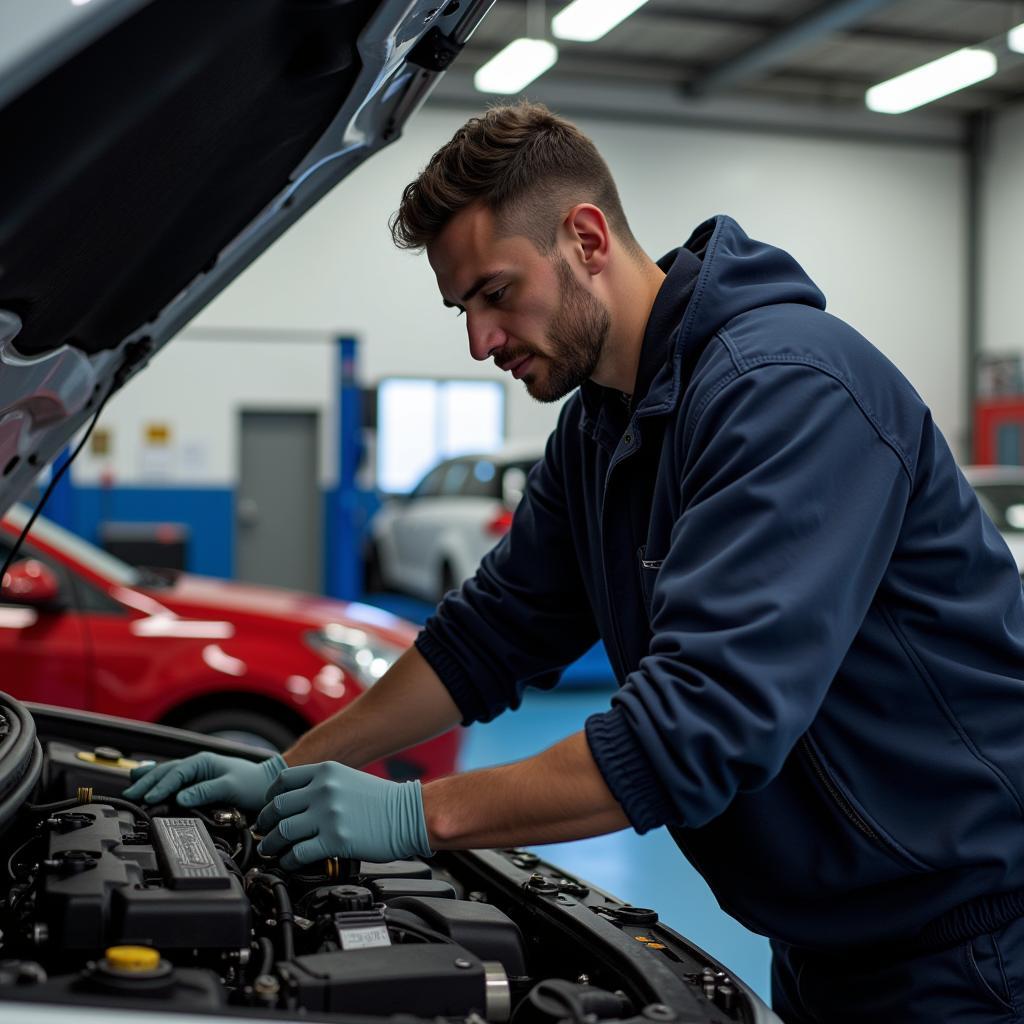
[556, 796]
[409, 704]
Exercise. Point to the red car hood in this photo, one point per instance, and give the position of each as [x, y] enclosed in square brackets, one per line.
[201, 596]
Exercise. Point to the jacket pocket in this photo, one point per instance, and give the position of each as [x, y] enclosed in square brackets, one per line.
[984, 964]
[834, 792]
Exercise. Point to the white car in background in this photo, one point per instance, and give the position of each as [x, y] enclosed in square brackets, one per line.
[429, 541]
[1001, 492]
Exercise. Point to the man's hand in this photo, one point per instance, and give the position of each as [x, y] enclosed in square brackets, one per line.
[218, 779]
[325, 810]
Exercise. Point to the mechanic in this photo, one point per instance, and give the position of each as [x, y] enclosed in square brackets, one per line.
[819, 636]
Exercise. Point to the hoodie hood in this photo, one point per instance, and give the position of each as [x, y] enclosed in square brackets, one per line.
[738, 274]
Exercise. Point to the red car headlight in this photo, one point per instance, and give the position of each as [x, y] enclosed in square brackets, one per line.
[360, 654]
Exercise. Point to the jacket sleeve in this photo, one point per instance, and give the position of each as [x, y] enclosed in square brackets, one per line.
[525, 615]
[792, 501]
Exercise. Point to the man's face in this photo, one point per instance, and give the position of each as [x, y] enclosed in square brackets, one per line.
[525, 310]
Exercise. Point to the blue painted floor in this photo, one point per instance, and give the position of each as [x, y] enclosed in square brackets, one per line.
[647, 871]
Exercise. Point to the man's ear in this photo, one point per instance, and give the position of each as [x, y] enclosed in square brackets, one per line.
[589, 236]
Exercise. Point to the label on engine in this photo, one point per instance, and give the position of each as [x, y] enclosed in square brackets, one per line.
[364, 938]
[187, 855]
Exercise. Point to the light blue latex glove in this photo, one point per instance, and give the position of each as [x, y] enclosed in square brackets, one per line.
[217, 780]
[330, 810]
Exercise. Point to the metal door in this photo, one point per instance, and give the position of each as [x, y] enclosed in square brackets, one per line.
[278, 506]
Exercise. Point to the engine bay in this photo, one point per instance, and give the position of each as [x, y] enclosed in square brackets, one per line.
[110, 904]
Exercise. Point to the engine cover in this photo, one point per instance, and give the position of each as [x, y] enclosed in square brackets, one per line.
[428, 980]
[104, 884]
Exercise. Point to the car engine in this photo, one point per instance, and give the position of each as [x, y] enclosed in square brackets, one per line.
[112, 904]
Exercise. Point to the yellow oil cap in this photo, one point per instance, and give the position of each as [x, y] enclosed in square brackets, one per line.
[107, 757]
[133, 958]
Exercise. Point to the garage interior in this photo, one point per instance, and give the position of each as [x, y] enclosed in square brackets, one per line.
[327, 381]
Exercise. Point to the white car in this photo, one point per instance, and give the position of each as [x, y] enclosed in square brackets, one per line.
[1001, 492]
[428, 542]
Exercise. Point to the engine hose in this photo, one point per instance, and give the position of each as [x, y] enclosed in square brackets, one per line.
[285, 913]
[12, 860]
[244, 852]
[266, 963]
[229, 863]
[126, 805]
[285, 917]
[59, 805]
[113, 801]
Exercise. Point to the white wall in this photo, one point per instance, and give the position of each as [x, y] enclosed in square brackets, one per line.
[1002, 262]
[880, 227]
[197, 386]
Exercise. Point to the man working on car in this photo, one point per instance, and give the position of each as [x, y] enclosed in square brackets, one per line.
[818, 634]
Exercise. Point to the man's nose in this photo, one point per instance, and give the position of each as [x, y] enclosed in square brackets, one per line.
[485, 336]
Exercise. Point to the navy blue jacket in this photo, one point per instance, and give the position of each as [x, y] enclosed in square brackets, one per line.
[818, 634]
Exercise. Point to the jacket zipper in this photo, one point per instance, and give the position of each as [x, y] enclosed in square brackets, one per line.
[838, 799]
[604, 565]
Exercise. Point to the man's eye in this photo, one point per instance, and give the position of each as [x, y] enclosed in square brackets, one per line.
[496, 295]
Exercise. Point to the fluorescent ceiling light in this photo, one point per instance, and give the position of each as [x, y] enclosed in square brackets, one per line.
[931, 81]
[515, 67]
[1015, 39]
[589, 20]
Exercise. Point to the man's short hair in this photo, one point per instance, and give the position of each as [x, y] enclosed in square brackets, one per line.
[526, 164]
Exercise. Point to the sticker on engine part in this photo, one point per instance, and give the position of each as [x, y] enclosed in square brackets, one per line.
[365, 938]
[187, 854]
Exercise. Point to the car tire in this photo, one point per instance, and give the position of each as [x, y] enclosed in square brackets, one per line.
[256, 728]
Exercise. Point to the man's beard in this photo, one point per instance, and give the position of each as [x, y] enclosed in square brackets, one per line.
[577, 334]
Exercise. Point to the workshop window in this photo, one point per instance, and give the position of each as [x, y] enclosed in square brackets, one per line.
[421, 422]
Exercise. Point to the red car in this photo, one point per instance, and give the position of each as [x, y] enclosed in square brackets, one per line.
[83, 629]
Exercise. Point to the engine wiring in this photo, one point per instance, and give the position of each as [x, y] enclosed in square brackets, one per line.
[54, 480]
[135, 353]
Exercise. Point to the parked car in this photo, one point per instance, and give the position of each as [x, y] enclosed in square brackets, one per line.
[81, 628]
[1000, 490]
[429, 541]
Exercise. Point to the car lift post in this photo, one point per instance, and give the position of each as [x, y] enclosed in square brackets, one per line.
[345, 512]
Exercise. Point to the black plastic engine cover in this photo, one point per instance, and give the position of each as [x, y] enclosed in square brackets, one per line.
[98, 891]
[369, 872]
[487, 931]
[387, 889]
[422, 979]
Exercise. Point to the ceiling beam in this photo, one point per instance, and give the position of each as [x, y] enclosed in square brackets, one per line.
[593, 61]
[715, 17]
[663, 103]
[779, 47]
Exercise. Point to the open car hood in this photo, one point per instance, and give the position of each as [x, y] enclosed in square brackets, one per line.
[466, 937]
[154, 148]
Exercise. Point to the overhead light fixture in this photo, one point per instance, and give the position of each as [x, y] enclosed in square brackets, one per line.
[932, 81]
[515, 67]
[1015, 39]
[588, 20]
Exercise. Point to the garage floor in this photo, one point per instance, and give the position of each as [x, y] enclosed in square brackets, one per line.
[647, 871]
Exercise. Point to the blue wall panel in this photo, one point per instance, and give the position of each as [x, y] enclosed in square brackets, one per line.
[208, 512]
